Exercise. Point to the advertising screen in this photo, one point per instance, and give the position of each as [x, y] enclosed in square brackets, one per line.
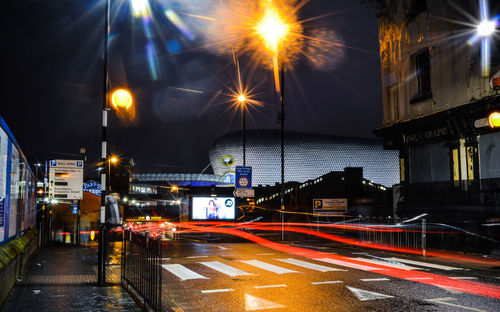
[213, 208]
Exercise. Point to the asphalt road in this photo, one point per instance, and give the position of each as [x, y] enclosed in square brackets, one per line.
[250, 277]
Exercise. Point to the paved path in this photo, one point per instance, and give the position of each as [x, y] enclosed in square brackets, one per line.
[64, 279]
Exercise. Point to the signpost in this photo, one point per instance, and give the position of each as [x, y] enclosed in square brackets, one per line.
[239, 192]
[327, 207]
[243, 178]
[66, 179]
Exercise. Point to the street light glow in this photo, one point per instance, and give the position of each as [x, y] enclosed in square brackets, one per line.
[486, 28]
[121, 98]
[113, 159]
[494, 120]
[272, 29]
[242, 98]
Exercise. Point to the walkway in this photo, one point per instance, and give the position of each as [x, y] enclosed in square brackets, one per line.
[64, 279]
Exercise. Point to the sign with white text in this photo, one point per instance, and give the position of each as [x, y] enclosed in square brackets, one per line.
[66, 179]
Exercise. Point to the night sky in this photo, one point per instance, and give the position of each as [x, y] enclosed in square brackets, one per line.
[52, 77]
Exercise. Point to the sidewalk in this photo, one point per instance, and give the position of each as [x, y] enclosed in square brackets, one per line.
[64, 279]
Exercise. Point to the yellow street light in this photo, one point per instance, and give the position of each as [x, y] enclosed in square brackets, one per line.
[121, 98]
[494, 120]
[242, 98]
[113, 159]
[174, 188]
[272, 29]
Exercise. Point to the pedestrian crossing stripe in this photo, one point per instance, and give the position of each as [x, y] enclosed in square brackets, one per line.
[425, 264]
[349, 264]
[268, 267]
[182, 272]
[389, 264]
[224, 268]
[309, 265]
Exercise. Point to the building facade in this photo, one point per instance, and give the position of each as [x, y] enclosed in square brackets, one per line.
[438, 91]
[307, 156]
[17, 187]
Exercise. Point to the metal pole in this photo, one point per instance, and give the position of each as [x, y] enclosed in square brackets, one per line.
[101, 270]
[282, 120]
[244, 134]
[424, 230]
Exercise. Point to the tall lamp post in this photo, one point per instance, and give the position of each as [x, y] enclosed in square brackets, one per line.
[242, 100]
[121, 99]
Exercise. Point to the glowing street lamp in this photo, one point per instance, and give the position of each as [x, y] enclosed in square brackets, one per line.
[121, 98]
[494, 120]
[485, 29]
[242, 99]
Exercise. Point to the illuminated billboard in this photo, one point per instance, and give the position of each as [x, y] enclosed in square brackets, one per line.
[213, 208]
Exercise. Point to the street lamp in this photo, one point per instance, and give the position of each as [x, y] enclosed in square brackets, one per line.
[273, 30]
[242, 102]
[112, 160]
[121, 99]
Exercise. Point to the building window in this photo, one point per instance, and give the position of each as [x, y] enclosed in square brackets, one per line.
[402, 169]
[422, 89]
[455, 165]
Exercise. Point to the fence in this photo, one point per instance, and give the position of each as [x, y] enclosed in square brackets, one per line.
[141, 267]
[421, 235]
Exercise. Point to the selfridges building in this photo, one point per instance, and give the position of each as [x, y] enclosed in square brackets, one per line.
[307, 156]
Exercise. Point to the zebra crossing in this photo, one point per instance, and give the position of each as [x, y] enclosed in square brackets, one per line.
[184, 273]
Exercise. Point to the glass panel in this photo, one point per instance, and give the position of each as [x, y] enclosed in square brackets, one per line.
[456, 165]
[470, 163]
[402, 169]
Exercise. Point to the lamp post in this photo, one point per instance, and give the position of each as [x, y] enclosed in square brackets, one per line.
[101, 256]
[242, 100]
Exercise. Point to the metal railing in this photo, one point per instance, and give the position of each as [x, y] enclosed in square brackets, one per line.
[141, 267]
[421, 235]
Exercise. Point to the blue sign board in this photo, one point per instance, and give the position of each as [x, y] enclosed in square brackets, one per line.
[243, 177]
[75, 209]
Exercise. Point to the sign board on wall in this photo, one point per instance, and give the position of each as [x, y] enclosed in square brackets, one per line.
[66, 179]
[325, 207]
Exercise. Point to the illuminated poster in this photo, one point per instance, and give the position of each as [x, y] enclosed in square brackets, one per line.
[213, 208]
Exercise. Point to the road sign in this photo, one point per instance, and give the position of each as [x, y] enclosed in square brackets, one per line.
[325, 207]
[240, 192]
[66, 179]
[75, 209]
[243, 178]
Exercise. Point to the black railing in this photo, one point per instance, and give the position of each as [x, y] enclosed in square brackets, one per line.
[141, 267]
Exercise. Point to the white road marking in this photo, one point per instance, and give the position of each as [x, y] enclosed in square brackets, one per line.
[425, 264]
[450, 290]
[389, 264]
[268, 267]
[194, 257]
[375, 279]
[418, 278]
[308, 265]
[253, 303]
[216, 290]
[464, 278]
[265, 254]
[326, 282]
[349, 264]
[223, 248]
[182, 272]
[365, 295]
[270, 286]
[224, 268]
[445, 301]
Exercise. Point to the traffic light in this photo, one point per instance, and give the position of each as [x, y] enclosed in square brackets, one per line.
[494, 120]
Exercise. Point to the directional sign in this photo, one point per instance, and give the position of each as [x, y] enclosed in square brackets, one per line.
[243, 178]
[66, 179]
[240, 192]
[324, 207]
